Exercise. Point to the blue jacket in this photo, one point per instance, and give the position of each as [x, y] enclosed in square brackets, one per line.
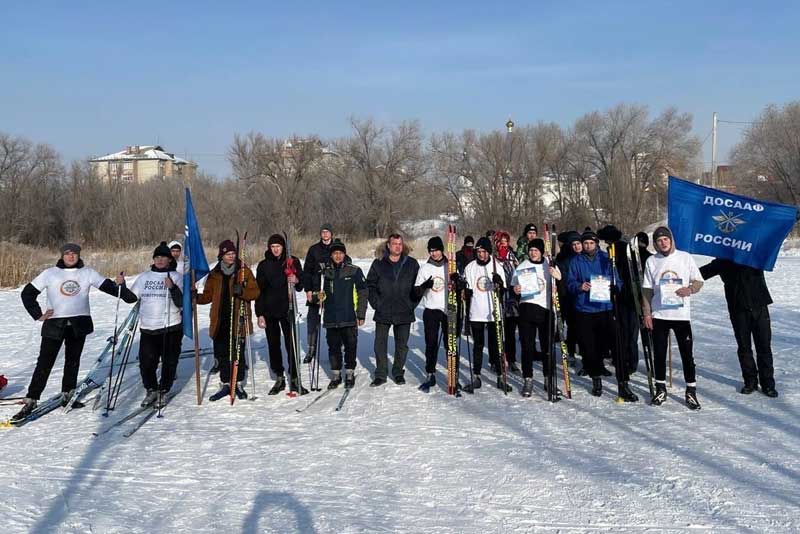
[581, 269]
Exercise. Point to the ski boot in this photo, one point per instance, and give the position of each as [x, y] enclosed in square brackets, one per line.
[150, 398]
[660, 396]
[349, 379]
[527, 387]
[309, 357]
[513, 367]
[770, 392]
[691, 398]
[280, 385]
[605, 372]
[597, 386]
[429, 383]
[624, 393]
[502, 385]
[20, 416]
[748, 388]
[224, 391]
[376, 382]
[240, 392]
[214, 368]
[476, 384]
[161, 401]
[400, 380]
[335, 380]
[293, 387]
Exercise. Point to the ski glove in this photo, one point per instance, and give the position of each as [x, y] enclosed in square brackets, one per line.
[497, 280]
[238, 290]
[427, 284]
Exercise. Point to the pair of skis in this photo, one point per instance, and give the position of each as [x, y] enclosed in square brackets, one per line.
[557, 324]
[339, 405]
[452, 315]
[150, 412]
[293, 269]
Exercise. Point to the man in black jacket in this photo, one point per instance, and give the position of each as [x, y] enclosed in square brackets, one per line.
[748, 297]
[272, 310]
[317, 257]
[345, 301]
[67, 322]
[391, 285]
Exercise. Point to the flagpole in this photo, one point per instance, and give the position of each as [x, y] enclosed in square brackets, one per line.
[196, 344]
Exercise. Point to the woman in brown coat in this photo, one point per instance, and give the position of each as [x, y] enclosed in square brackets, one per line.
[230, 287]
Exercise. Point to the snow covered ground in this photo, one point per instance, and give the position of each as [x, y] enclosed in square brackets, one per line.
[397, 460]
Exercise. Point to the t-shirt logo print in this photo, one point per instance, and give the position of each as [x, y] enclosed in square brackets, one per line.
[438, 283]
[70, 288]
[484, 284]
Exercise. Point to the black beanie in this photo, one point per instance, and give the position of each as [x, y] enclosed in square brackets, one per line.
[571, 236]
[162, 250]
[484, 243]
[276, 239]
[662, 231]
[529, 227]
[435, 243]
[536, 243]
[643, 239]
[469, 239]
[588, 235]
[337, 244]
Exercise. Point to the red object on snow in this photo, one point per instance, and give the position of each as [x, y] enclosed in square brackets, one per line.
[3, 381]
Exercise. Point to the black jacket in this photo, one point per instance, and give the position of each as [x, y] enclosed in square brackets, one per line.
[345, 295]
[273, 301]
[391, 292]
[463, 257]
[745, 287]
[82, 325]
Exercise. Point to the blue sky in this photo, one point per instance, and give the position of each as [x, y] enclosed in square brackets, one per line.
[92, 77]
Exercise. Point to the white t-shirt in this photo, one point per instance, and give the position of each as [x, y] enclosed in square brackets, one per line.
[155, 300]
[68, 289]
[528, 268]
[433, 298]
[479, 280]
[665, 274]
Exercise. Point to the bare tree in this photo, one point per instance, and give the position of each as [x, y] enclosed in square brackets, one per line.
[377, 167]
[770, 153]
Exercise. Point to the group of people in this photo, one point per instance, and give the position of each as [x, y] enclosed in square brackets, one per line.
[503, 291]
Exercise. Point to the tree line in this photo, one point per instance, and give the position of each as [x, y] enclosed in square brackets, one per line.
[609, 166]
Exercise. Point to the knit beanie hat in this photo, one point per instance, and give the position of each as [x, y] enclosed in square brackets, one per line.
[662, 231]
[588, 235]
[338, 245]
[609, 233]
[70, 247]
[469, 240]
[536, 243]
[435, 243]
[276, 239]
[529, 227]
[225, 247]
[484, 243]
[162, 250]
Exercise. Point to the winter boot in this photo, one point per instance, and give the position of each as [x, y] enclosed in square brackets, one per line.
[377, 382]
[400, 380]
[224, 391]
[240, 392]
[293, 386]
[660, 396]
[513, 367]
[691, 398]
[312, 350]
[429, 383]
[335, 380]
[605, 372]
[597, 386]
[476, 384]
[66, 396]
[215, 368]
[280, 385]
[20, 416]
[625, 394]
[150, 398]
[349, 379]
[527, 387]
[583, 372]
[770, 392]
[748, 388]
[503, 385]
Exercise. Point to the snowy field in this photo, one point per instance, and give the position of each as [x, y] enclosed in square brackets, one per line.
[398, 460]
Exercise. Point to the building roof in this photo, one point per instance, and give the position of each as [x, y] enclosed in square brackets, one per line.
[147, 152]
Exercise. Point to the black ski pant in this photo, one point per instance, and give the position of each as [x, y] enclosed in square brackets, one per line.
[510, 326]
[48, 352]
[533, 320]
[154, 348]
[597, 337]
[312, 328]
[346, 337]
[434, 321]
[629, 333]
[401, 333]
[273, 330]
[478, 341]
[224, 352]
[683, 335]
[755, 325]
[572, 330]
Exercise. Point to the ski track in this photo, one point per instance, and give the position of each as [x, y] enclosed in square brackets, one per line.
[395, 459]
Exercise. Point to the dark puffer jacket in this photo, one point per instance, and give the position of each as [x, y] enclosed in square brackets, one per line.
[345, 295]
[391, 289]
[273, 300]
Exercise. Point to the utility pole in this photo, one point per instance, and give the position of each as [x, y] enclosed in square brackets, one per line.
[714, 150]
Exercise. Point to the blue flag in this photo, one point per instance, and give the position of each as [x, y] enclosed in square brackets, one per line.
[194, 260]
[723, 225]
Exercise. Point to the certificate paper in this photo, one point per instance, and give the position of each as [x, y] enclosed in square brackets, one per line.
[529, 281]
[601, 289]
[669, 300]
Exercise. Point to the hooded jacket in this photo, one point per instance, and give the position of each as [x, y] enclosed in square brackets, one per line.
[345, 295]
[273, 298]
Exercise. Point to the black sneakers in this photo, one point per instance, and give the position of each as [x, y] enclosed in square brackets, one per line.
[280, 385]
[691, 398]
[660, 395]
[597, 386]
[224, 391]
[625, 394]
[29, 406]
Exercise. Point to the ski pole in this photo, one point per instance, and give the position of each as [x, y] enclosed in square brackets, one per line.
[249, 345]
[124, 365]
[669, 353]
[113, 348]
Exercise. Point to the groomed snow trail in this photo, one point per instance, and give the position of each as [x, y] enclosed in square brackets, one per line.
[398, 460]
